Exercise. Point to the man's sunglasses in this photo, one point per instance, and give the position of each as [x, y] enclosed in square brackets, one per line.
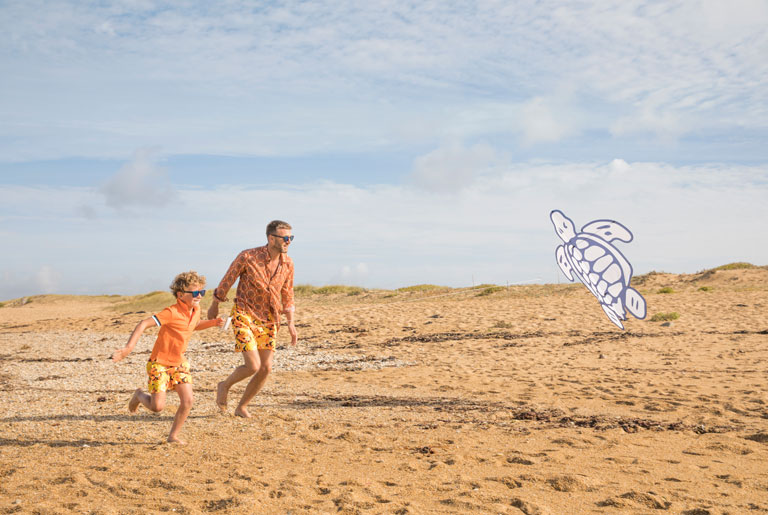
[286, 239]
[196, 293]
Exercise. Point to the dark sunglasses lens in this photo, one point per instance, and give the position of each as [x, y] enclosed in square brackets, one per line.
[199, 292]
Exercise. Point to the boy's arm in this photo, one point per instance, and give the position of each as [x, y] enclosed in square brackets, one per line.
[205, 324]
[119, 354]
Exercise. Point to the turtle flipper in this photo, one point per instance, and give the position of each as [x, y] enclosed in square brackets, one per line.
[612, 315]
[608, 230]
[564, 226]
[635, 303]
[562, 261]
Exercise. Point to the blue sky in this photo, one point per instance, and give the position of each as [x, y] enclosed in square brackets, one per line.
[407, 142]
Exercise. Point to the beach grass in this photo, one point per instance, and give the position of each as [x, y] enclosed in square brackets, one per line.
[741, 265]
[417, 288]
[149, 302]
[332, 289]
[664, 317]
[490, 289]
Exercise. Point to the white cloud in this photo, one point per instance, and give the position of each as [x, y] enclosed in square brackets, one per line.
[453, 167]
[139, 183]
[47, 279]
[87, 79]
[497, 229]
[543, 121]
[618, 166]
[666, 125]
[356, 275]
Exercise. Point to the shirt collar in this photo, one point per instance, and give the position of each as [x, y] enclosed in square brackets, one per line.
[184, 309]
[265, 253]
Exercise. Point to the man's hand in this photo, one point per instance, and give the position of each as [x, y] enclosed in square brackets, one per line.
[292, 330]
[213, 310]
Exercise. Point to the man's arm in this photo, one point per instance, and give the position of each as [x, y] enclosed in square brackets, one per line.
[220, 293]
[289, 309]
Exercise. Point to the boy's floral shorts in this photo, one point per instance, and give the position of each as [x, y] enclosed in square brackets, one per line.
[252, 334]
[164, 378]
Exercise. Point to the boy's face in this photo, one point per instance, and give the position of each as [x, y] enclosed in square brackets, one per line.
[188, 298]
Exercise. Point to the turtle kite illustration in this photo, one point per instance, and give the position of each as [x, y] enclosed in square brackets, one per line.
[591, 256]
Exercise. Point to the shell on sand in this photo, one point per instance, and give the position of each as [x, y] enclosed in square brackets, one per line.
[523, 400]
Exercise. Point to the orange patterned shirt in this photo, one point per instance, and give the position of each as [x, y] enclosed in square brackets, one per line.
[259, 293]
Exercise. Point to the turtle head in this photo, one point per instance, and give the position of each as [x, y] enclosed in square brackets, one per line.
[564, 226]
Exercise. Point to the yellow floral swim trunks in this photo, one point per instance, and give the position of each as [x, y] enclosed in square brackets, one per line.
[164, 378]
[251, 333]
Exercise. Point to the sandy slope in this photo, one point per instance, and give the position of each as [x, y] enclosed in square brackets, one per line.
[527, 400]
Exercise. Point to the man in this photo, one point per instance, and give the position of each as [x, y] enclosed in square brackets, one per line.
[264, 292]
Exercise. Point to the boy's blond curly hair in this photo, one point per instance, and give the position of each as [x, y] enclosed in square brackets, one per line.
[184, 281]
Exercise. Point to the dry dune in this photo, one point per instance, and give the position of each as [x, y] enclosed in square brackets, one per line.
[503, 400]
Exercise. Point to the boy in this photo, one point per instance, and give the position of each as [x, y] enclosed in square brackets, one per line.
[168, 369]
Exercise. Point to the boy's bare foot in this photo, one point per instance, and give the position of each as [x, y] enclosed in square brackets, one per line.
[242, 411]
[133, 404]
[177, 441]
[221, 395]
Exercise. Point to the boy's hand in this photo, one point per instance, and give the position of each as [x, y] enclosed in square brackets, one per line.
[119, 354]
[220, 322]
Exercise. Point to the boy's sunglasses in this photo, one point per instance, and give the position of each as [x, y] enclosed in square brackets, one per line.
[196, 293]
[286, 239]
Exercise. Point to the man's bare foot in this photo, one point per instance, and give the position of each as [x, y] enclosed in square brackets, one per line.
[177, 441]
[242, 411]
[221, 396]
[133, 404]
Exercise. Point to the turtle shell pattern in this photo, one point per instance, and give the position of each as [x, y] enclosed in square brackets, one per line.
[599, 268]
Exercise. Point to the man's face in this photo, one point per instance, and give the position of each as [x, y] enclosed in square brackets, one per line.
[277, 240]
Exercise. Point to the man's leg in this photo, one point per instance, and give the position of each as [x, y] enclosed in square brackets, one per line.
[255, 384]
[251, 364]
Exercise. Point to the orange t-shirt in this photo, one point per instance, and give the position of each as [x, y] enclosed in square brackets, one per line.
[176, 324]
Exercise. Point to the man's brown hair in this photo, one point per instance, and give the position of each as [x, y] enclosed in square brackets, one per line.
[277, 224]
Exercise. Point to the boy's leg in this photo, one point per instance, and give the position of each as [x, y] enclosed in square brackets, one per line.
[185, 406]
[251, 363]
[157, 402]
[256, 383]
[154, 402]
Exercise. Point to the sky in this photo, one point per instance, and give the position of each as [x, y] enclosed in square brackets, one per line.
[406, 142]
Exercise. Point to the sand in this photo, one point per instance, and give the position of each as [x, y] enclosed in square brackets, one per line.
[524, 400]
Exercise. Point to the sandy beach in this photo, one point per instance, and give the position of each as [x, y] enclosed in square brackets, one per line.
[520, 399]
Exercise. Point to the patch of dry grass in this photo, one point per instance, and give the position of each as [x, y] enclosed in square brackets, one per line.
[418, 288]
[664, 317]
[741, 265]
[149, 302]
